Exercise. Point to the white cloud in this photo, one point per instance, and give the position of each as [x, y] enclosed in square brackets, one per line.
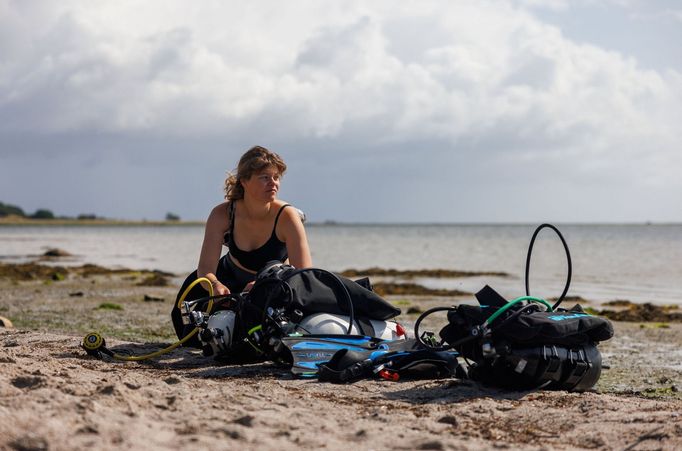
[554, 5]
[487, 78]
[119, 67]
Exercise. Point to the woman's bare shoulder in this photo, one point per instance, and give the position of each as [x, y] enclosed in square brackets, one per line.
[220, 214]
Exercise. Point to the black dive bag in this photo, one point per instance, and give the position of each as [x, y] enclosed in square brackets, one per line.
[526, 346]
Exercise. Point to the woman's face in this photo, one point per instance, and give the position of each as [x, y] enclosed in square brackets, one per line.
[264, 184]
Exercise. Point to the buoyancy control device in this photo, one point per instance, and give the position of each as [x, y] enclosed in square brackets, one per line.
[524, 343]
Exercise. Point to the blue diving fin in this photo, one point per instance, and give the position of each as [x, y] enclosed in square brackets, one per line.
[309, 351]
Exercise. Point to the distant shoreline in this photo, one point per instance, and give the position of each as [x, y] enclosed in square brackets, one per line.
[25, 221]
[17, 221]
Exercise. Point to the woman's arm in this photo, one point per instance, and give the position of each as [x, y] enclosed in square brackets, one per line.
[216, 225]
[293, 233]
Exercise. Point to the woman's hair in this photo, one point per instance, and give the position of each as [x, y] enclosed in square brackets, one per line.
[254, 160]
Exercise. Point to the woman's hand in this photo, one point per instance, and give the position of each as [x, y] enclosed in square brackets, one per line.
[218, 287]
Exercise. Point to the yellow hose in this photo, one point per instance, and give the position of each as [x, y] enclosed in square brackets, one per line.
[185, 338]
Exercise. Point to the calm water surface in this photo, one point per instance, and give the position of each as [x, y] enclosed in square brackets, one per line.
[636, 262]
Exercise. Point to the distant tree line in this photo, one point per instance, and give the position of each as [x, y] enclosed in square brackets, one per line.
[41, 213]
[44, 213]
[8, 209]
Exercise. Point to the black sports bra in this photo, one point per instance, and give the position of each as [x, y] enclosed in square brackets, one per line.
[273, 249]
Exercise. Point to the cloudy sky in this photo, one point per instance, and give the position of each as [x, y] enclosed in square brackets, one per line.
[385, 111]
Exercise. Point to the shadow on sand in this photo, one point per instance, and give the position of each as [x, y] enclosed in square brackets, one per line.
[452, 391]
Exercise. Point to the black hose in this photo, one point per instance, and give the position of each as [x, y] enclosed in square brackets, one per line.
[351, 309]
[201, 302]
[463, 340]
[290, 296]
[421, 318]
[568, 259]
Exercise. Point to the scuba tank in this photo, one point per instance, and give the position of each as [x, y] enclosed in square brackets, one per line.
[216, 338]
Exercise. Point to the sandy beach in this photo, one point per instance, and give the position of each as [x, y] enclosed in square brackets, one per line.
[53, 396]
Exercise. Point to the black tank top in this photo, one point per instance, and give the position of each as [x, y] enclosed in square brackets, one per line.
[273, 249]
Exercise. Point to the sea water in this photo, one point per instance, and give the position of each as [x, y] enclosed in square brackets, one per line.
[641, 263]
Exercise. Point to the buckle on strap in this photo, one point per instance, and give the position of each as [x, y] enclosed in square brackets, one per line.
[577, 366]
[550, 354]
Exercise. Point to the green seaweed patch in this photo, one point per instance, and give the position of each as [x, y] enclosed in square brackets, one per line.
[643, 313]
[405, 289]
[35, 271]
[402, 302]
[659, 392]
[88, 270]
[156, 279]
[31, 271]
[571, 300]
[109, 306]
[654, 326]
[619, 303]
[411, 273]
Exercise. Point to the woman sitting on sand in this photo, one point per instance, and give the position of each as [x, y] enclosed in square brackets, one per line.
[254, 225]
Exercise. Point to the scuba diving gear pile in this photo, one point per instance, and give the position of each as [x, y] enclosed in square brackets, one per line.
[524, 343]
[338, 330]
